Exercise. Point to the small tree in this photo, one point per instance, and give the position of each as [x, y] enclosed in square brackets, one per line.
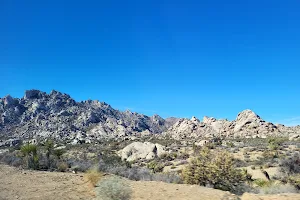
[29, 152]
[214, 169]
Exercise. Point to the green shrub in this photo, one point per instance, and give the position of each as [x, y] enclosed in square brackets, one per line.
[275, 143]
[230, 144]
[291, 165]
[58, 153]
[168, 156]
[155, 166]
[113, 188]
[261, 182]
[295, 181]
[49, 146]
[269, 154]
[215, 169]
[29, 153]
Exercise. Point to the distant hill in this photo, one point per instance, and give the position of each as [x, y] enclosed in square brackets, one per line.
[57, 115]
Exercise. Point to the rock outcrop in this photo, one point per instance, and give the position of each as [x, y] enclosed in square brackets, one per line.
[247, 125]
[139, 150]
[57, 115]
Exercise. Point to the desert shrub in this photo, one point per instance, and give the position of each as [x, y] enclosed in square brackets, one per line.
[136, 173]
[211, 145]
[29, 153]
[62, 166]
[275, 143]
[261, 182]
[113, 188]
[230, 144]
[215, 169]
[80, 165]
[168, 156]
[11, 158]
[93, 176]
[252, 142]
[268, 154]
[155, 166]
[240, 163]
[166, 141]
[247, 176]
[49, 146]
[271, 187]
[58, 153]
[294, 180]
[106, 162]
[183, 155]
[291, 165]
[278, 189]
[168, 163]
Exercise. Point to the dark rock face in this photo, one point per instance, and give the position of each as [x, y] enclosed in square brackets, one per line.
[58, 115]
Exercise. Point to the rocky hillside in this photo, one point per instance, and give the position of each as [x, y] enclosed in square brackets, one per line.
[246, 125]
[57, 115]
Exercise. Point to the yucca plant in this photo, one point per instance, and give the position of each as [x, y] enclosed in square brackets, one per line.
[29, 153]
[49, 146]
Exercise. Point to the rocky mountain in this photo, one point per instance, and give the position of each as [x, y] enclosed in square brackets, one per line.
[246, 125]
[57, 115]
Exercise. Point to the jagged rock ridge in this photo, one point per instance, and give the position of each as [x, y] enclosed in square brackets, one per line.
[58, 115]
[247, 125]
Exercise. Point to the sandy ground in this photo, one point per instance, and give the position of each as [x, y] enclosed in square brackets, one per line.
[33, 185]
[161, 191]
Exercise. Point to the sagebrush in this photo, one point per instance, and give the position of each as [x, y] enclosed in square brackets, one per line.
[113, 188]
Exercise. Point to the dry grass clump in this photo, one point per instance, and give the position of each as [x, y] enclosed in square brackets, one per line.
[273, 187]
[93, 176]
[62, 166]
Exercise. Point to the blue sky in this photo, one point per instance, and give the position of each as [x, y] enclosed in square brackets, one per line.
[173, 58]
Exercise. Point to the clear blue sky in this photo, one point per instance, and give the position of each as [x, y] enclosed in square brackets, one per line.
[173, 58]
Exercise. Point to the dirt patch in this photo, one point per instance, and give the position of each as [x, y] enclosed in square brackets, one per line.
[36, 185]
[33, 185]
[151, 190]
